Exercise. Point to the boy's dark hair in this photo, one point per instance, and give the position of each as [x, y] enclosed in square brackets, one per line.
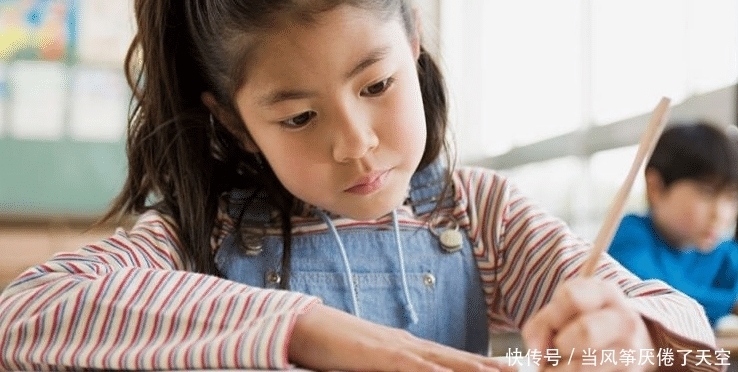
[696, 150]
[180, 164]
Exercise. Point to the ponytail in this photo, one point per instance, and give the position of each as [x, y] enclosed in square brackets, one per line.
[170, 165]
[435, 106]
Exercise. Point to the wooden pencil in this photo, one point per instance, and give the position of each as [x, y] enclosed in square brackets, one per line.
[648, 141]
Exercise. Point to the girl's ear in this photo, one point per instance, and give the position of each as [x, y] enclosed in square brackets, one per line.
[230, 121]
[654, 186]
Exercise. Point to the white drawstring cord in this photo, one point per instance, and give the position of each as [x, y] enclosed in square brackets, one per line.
[409, 308]
[408, 304]
[346, 264]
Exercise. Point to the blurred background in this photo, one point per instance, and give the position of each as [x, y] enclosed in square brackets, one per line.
[553, 94]
[63, 109]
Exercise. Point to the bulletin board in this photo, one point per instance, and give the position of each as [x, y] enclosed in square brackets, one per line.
[38, 29]
[63, 106]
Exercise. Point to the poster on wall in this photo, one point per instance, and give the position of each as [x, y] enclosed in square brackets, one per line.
[38, 29]
[65, 56]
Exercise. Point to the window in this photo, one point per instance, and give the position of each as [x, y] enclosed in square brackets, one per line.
[542, 88]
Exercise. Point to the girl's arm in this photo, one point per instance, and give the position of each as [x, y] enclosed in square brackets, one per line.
[717, 302]
[525, 255]
[126, 303]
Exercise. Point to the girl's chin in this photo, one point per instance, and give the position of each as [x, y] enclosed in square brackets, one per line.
[372, 212]
[369, 215]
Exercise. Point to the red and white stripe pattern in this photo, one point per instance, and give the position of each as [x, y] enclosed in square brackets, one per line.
[125, 303]
[128, 303]
[523, 253]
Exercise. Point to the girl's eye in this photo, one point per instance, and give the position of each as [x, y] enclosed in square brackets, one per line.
[299, 120]
[378, 88]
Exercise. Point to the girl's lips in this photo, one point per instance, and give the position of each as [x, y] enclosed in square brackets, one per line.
[369, 183]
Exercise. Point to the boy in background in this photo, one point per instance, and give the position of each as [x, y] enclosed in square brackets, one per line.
[684, 238]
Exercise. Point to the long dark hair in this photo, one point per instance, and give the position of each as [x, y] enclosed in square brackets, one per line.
[179, 162]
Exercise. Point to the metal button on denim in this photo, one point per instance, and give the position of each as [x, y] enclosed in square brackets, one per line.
[273, 277]
[429, 280]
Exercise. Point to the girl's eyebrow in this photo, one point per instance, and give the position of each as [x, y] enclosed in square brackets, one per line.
[275, 97]
[375, 55]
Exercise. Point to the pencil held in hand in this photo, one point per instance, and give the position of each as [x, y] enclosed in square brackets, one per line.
[648, 141]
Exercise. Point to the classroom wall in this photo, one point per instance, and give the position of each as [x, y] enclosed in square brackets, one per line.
[63, 109]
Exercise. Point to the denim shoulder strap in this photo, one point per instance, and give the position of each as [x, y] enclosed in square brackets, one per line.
[426, 187]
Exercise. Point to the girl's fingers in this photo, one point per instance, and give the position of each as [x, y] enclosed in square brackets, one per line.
[597, 363]
[460, 360]
[598, 330]
[570, 301]
[407, 361]
[585, 317]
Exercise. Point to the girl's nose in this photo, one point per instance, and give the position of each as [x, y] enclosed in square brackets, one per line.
[354, 137]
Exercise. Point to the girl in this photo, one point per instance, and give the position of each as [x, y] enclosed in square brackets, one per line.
[286, 164]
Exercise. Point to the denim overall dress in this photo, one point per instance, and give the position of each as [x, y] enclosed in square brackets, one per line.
[398, 275]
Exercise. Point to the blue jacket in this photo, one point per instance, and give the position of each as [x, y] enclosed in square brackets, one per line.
[709, 278]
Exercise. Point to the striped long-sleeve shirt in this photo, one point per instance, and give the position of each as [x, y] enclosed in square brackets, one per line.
[128, 303]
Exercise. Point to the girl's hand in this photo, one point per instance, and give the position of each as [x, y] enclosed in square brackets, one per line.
[588, 314]
[329, 339]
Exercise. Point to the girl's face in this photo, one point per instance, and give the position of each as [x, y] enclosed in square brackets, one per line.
[335, 108]
[694, 214]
